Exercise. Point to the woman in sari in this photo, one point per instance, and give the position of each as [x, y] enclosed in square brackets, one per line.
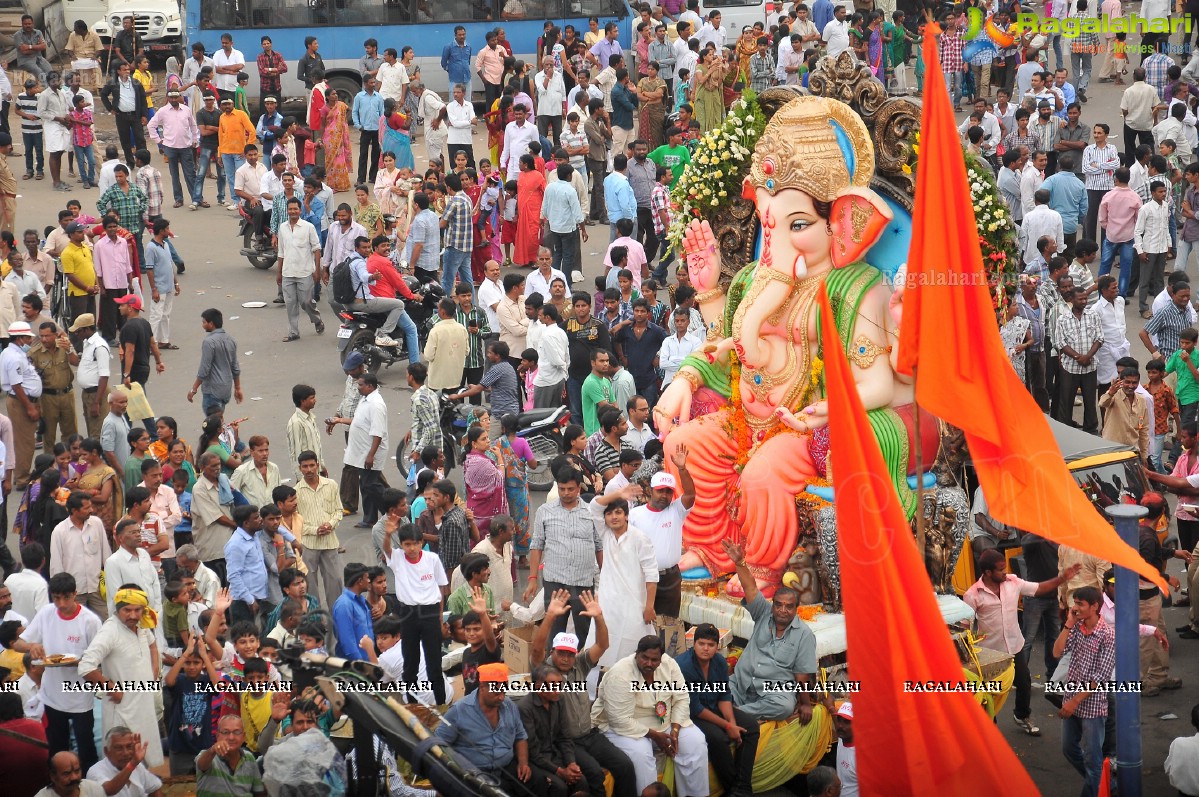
[651, 90]
[366, 212]
[101, 483]
[708, 100]
[21, 524]
[41, 511]
[395, 136]
[530, 191]
[496, 120]
[179, 458]
[391, 188]
[168, 432]
[747, 45]
[485, 495]
[514, 458]
[335, 140]
[486, 199]
[211, 443]
[874, 44]
[68, 467]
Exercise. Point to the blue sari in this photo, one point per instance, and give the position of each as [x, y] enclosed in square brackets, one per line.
[396, 141]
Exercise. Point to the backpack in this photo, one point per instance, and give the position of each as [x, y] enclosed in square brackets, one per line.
[342, 282]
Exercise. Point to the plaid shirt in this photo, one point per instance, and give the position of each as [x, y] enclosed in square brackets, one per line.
[1079, 334]
[271, 83]
[128, 206]
[453, 536]
[1167, 324]
[950, 47]
[659, 201]
[474, 352]
[149, 180]
[761, 72]
[426, 427]
[1156, 66]
[1092, 659]
[624, 312]
[458, 232]
[1013, 140]
[81, 134]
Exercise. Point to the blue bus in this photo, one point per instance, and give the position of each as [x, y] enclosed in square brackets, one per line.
[341, 26]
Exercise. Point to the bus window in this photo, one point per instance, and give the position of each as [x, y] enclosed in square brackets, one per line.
[264, 13]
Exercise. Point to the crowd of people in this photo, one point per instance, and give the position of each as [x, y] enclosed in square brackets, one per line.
[151, 569]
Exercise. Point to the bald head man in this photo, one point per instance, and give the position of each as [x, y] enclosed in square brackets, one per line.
[66, 779]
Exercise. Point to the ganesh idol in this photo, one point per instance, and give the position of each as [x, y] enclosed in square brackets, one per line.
[763, 440]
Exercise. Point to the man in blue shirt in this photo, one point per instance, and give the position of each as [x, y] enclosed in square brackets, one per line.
[1068, 196]
[364, 302]
[246, 568]
[163, 288]
[712, 711]
[455, 59]
[822, 12]
[562, 222]
[268, 126]
[619, 197]
[485, 730]
[352, 614]
[367, 110]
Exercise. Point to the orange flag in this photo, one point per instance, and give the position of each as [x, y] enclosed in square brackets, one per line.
[949, 330]
[908, 743]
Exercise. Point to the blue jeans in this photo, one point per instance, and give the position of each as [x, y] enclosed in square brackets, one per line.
[207, 157]
[574, 394]
[455, 264]
[182, 156]
[1127, 252]
[1082, 744]
[33, 144]
[211, 403]
[231, 163]
[1041, 614]
[411, 339]
[87, 164]
[1183, 253]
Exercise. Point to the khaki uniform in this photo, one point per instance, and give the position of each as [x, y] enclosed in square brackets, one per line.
[58, 393]
[8, 197]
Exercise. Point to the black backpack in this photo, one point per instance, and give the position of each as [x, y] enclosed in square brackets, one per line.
[342, 282]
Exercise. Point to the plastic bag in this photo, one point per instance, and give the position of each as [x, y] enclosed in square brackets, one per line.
[139, 406]
[307, 765]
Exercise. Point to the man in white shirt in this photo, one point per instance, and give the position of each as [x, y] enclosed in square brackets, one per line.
[428, 105]
[27, 588]
[640, 432]
[392, 76]
[1182, 762]
[553, 361]
[539, 280]
[836, 33]
[992, 130]
[79, 546]
[130, 564]
[585, 87]
[247, 185]
[662, 521]
[1041, 221]
[676, 347]
[227, 63]
[551, 92]
[518, 134]
[1031, 177]
[366, 446]
[122, 771]
[491, 293]
[791, 55]
[461, 119]
[712, 32]
[299, 266]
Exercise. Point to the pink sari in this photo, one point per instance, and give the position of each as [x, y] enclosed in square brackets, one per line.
[485, 493]
[336, 140]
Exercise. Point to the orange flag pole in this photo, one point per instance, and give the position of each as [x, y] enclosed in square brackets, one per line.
[949, 325]
[909, 742]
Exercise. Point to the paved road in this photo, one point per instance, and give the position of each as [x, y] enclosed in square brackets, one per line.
[217, 276]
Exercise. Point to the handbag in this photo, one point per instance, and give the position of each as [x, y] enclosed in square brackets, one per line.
[139, 406]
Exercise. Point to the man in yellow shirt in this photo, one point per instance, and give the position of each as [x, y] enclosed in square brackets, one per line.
[234, 131]
[80, 272]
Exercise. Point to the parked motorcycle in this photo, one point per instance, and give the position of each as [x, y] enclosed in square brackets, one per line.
[542, 430]
[258, 250]
[358, 329]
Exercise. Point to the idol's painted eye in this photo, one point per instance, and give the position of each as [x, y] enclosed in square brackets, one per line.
[799, 225]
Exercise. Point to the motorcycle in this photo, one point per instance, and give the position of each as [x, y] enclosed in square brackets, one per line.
[358, 329]
[258, 250]
[542, 430]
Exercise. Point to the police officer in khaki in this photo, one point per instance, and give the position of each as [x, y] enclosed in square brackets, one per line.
[23, 389]
[52, 356]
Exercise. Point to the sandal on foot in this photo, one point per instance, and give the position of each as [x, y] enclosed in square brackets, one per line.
[290, 338]
[169, 346]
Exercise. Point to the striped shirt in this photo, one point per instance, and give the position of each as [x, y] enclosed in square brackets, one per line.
[1078, 333]
[220, 781]
[27, 103]
[474, 351]
[457, 215]
[1099, 165]
[319, 505]
[569, 540]
[1167, 324]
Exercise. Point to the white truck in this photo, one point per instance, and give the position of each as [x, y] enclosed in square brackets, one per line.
[159, 23]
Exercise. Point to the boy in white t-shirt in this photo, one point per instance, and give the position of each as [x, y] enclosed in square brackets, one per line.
[64, 627]
[421, 586]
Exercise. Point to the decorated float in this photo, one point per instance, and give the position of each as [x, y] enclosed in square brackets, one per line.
[795, 192]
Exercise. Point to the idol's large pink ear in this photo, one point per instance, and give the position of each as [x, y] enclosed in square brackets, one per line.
[859, 217]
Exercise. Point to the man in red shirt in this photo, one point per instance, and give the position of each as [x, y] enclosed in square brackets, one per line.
[389, 285]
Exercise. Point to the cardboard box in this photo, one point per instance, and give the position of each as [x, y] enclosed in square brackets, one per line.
[672, 633]
[90, 79]
[726, 637]
[518, 642]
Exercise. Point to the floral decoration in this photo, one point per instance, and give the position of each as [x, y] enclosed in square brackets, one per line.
[717, 170]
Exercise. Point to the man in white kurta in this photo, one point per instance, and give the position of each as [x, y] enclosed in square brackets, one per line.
[628, 582]
[131, 564]
[656, 717]
[124, 653]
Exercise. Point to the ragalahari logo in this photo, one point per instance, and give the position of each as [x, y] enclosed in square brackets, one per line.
[1071, 27]
[974, 22]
